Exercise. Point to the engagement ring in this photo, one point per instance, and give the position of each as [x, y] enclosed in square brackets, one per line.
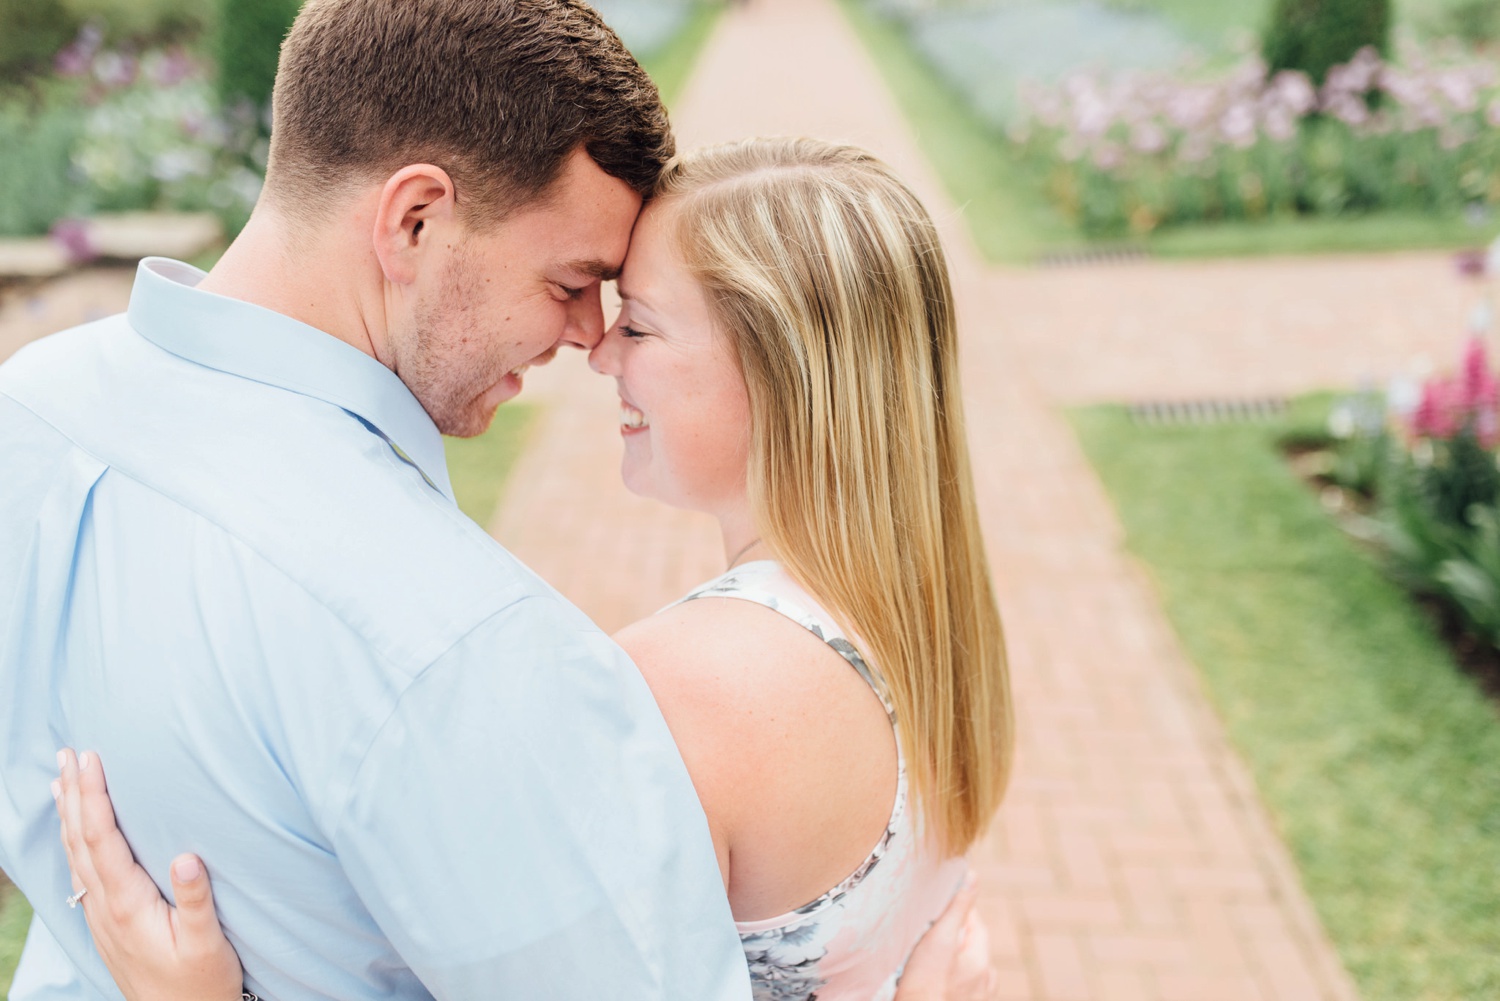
[75, 898]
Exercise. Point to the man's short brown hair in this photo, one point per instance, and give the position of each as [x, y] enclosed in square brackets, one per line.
[496, 92]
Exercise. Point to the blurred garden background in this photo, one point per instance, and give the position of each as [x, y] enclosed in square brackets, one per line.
[1247, 251]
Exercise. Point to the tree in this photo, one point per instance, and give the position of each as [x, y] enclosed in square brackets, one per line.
[249, 44]
[31, 33]
[1316, 35]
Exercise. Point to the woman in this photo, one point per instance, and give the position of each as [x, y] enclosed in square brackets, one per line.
[786, 360]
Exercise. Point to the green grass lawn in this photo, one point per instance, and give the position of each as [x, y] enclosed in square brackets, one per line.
[1012, 220]
[671, 66]
[1378, 759]
[15, 915]
[478, 466]
[1211, 20]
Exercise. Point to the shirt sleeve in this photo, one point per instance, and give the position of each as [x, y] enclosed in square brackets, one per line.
[523, 827]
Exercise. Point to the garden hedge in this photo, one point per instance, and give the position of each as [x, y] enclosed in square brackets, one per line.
[250, 35]
[31, 33]
[1315, 35]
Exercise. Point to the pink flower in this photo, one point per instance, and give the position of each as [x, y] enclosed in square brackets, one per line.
[1148, 138]
[1480, 388]
[1238, 125]
[1470, 401]
[1459, 90]
[1295, 91]
[1108, 157]
[1435, 413]
[72, 236]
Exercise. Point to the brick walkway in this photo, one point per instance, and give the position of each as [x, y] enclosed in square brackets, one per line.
[1133, 859]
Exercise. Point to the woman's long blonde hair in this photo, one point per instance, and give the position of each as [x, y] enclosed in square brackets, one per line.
[827, 274]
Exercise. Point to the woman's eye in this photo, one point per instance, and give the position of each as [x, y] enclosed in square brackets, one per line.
[630, 332]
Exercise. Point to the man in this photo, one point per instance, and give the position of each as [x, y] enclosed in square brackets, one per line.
[230, 559]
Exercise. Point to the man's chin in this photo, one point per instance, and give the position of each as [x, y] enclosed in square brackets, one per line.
[504, 391]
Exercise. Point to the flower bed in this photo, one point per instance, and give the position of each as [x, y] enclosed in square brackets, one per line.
[1131, 152]
[113, 130]
[117, 128]
[1418, 471]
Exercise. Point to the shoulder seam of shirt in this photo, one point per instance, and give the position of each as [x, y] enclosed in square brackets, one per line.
[347, 794]
[272, 564]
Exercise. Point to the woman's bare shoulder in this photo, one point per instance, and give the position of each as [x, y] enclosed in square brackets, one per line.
[789, 749]
[731, 659]
[746, 690]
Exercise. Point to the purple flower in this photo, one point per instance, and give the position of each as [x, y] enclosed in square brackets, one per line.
[75, 60]
[72, 237]
[171, 68]
[115, 69]
[1349, 109]
[1148, 137]
[1459, 90]
[1108, 157]
[1295, 91]
[1238, 125]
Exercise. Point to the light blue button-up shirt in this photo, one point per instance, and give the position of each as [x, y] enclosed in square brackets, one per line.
[231, 563]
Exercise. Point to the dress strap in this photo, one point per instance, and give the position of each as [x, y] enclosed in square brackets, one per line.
[767, 583]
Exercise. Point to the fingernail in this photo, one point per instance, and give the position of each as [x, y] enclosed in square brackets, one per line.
[186, 870]
[83, 761]
[56, 789]
[62, 760]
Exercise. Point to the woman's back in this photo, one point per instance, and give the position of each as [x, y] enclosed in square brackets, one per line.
[791, 744]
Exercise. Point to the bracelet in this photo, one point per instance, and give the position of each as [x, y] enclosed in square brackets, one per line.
[247, 996]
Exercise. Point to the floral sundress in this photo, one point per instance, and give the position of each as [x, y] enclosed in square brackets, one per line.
[851, 943]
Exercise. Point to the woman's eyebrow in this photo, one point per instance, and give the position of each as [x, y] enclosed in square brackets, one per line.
[626, 296]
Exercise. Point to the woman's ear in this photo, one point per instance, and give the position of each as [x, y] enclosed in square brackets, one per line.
[417, 205]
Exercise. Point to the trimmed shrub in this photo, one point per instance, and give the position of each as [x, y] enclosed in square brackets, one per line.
[31, 33]
[36, 182]
[148, 22]
[1315, 35]
[250, 33]
[1475, 21]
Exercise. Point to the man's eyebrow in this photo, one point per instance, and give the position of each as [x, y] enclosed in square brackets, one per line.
[602, 270]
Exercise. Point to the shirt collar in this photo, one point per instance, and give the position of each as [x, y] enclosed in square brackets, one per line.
[253, 342]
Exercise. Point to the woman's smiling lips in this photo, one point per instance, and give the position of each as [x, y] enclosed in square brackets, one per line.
[632, 419]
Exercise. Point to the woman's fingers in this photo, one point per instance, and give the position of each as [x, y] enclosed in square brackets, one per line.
[98, 853]
[934, 973]
[70, 809]
[196, 921]
[973, 967]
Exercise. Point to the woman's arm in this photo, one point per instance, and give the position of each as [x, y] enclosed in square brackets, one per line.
[155, 952]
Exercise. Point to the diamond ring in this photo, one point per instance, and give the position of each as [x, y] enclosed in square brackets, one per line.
[75, 898]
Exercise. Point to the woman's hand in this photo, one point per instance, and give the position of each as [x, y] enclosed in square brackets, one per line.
[154, 951]
[952, 961]
[160, 953]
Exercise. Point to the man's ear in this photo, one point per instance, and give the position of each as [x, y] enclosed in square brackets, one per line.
[417, 207]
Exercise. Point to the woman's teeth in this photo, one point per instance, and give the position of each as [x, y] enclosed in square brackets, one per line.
[631, 417]
[520, 370]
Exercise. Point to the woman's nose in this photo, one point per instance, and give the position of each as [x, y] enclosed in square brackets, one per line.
[603, 356]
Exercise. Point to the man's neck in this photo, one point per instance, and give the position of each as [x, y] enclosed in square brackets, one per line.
[299, 278]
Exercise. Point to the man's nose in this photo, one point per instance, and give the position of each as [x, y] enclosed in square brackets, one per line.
[585, 321]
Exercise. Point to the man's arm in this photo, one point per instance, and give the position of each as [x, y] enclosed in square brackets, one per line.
[523, 826]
